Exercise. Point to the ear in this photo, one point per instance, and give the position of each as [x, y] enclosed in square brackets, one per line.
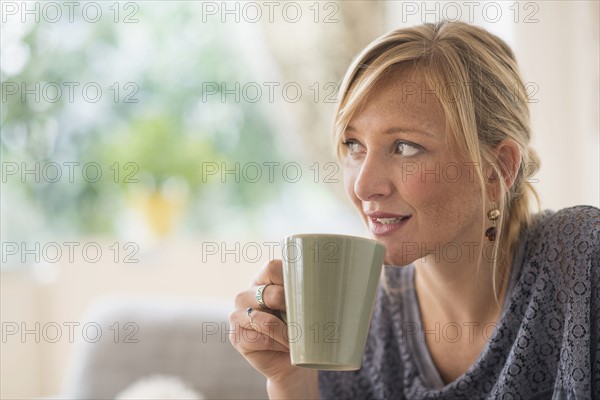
[508, 160]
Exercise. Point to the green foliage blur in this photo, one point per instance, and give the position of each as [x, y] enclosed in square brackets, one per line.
[151, 125]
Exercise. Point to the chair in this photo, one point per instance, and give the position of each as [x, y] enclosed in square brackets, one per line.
[129, 338]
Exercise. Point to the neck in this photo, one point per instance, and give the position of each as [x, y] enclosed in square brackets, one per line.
[462, 289]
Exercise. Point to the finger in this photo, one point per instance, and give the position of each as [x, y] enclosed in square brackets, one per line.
[262, 322]
[248, 340]
[272, 325]
[271, 272]
[253, 341]
[273, 297]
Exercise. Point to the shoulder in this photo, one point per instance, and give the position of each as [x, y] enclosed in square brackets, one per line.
[562, 252]
[570, 220]
[574, 230]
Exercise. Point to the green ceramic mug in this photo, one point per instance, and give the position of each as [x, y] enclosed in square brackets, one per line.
[330, 284]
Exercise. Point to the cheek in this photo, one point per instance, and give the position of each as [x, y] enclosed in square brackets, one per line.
[417, 190]
[438, 197]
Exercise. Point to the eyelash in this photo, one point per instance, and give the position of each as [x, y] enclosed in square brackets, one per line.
[348, 142]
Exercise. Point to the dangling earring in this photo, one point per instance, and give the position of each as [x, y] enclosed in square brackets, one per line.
[492, 215]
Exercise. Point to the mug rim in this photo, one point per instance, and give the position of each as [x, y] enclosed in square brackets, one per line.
[303, 235]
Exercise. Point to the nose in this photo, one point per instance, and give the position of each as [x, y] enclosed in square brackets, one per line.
[373, 180]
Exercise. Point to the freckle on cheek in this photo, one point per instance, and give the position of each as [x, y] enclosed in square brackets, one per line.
[417, 182]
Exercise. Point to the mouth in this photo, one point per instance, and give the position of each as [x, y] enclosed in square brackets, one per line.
[382, 223]
[389, 221]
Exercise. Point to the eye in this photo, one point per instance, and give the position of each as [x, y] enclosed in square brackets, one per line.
[407, 149]
[352, 145]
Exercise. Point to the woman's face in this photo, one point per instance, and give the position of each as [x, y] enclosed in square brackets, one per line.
[413, 191]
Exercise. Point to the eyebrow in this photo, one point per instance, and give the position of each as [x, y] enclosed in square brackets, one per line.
[396, 129]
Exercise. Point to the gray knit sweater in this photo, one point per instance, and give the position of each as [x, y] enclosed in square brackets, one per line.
[546, 345]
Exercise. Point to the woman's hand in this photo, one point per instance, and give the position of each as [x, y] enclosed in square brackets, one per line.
[261, 337]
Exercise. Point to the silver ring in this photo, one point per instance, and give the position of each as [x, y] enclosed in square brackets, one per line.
[249, 312]
[259, 295]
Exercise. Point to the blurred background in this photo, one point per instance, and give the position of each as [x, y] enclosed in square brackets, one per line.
[160, 150]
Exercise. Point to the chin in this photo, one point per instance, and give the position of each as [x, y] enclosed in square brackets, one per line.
[395, 254]
[399, 264]
[399, 260]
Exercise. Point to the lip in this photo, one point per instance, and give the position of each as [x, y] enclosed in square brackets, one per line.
[378, 229]
[381, 214]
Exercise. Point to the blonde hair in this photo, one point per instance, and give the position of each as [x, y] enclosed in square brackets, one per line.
[485, 102]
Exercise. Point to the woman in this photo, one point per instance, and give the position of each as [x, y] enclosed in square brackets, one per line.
[479, 297]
